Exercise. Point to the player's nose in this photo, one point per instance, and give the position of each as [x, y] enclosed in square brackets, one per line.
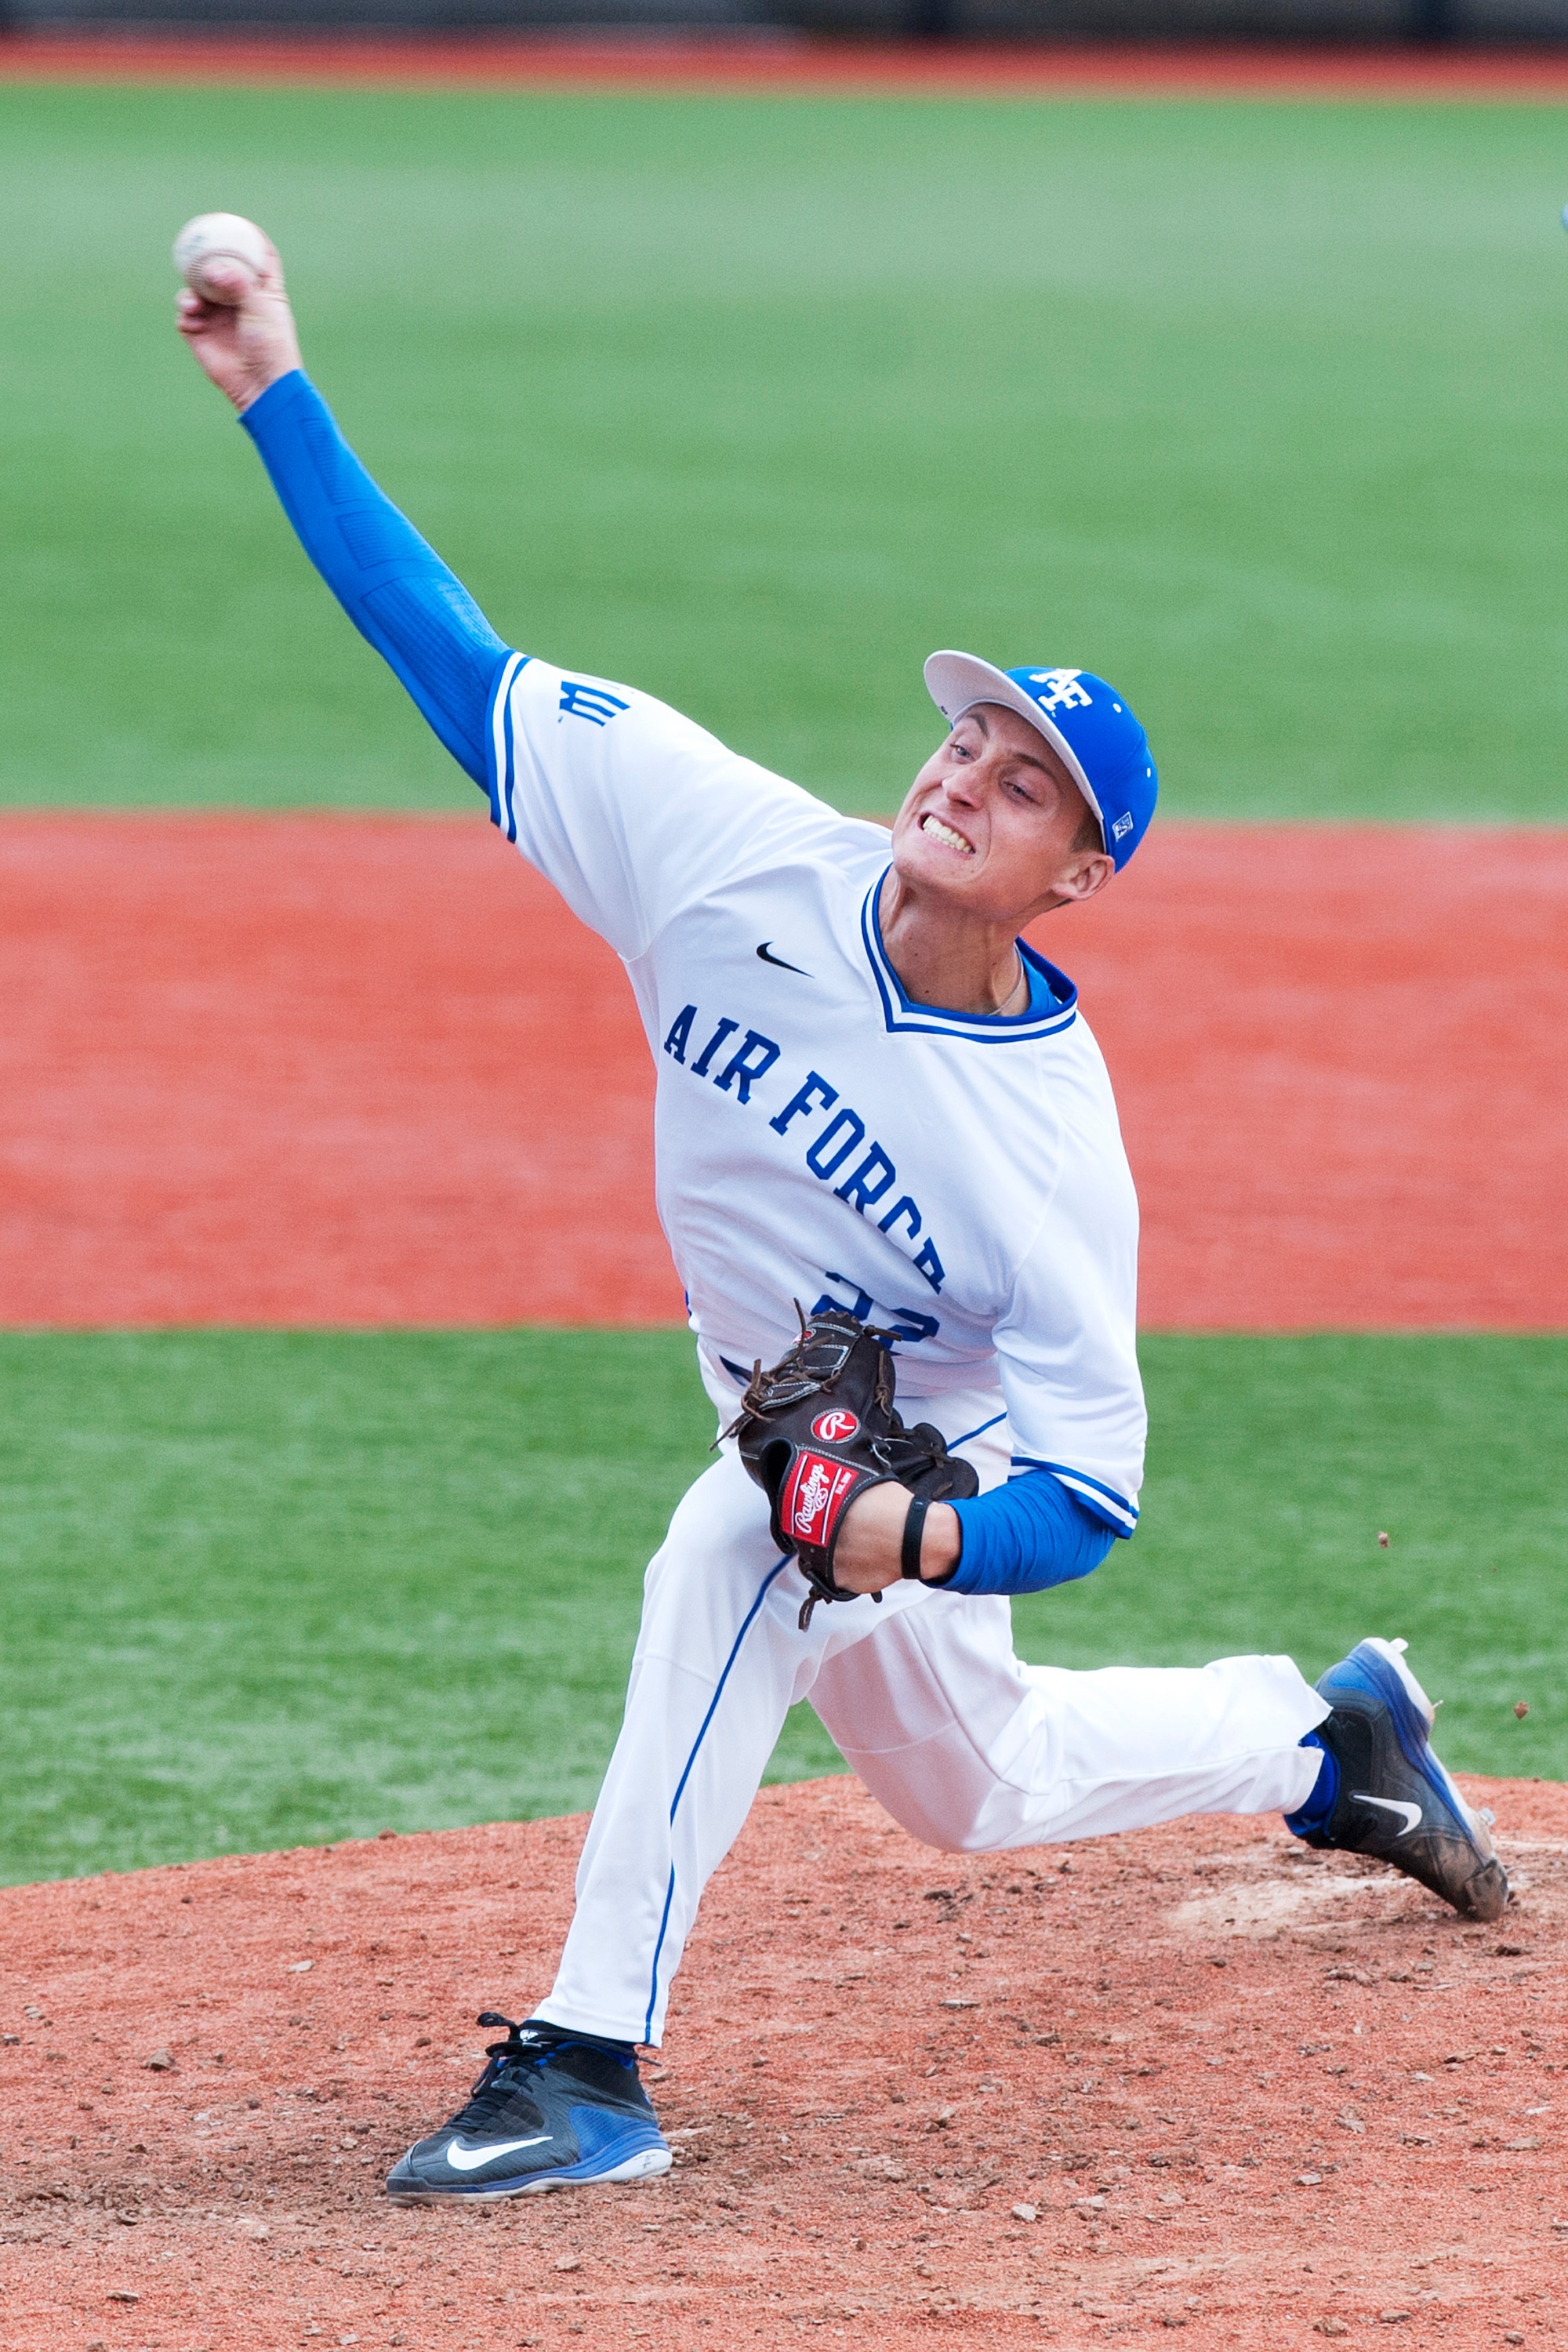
[964, 783]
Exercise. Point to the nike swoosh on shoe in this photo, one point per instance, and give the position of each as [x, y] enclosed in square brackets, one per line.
[1391, 1805]
[469, 2159]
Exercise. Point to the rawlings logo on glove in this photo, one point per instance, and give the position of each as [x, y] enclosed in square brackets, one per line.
[814, 1493]
[832, 1428]
[818, 1428]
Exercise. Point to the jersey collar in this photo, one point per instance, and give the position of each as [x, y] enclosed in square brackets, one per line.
[933, 1021]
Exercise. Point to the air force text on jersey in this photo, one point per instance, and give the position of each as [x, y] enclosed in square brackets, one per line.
[818, 1137]
[873, 1176]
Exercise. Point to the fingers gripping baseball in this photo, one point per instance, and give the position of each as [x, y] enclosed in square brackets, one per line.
[234, 310]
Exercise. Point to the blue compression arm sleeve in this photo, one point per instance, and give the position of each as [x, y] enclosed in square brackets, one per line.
[1025, 1536]
[395, 589]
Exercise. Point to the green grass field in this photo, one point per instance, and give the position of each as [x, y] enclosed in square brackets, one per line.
[1257, 407]
[269, 1589]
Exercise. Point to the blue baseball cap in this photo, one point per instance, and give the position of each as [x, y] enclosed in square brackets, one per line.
[1104, 747]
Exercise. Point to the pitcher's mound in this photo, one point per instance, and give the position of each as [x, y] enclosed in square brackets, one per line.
[1194, 2077]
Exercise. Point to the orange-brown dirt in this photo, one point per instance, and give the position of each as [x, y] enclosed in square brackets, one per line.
[785, 62]
[305, 1070]
[1195, 2077]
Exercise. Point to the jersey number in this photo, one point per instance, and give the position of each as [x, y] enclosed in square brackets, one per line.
[908, 1321]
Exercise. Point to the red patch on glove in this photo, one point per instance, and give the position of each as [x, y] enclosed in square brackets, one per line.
[813, 1494]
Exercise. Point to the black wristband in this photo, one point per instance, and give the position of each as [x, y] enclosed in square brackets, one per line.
[914, 1530]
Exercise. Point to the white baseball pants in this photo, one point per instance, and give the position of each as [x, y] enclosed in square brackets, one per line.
[967, 1748]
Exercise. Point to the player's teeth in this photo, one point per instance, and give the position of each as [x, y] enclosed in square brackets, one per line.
[934, 825]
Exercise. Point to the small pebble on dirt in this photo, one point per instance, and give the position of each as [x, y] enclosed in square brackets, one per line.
[1026, 2213]
[1391, 2319]
[1509, 2335]
[160, 2062]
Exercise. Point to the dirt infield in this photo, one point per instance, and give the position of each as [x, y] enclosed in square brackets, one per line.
[777, 66]
[1197, 2077]
[361, 1071]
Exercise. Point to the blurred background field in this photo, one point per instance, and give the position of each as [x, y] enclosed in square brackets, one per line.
[754, 401]
[271, 1587]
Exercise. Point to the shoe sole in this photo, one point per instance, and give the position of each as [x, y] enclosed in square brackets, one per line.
[642, 2164]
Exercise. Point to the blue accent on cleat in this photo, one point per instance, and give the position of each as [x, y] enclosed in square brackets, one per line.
[1395, 1800]
[570, 2106]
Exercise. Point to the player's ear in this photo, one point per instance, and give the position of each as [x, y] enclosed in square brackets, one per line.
[1083, 875]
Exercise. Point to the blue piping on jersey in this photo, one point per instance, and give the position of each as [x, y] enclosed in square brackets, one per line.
[954, 1442]
[936, 1021]
[502, 750]
[681, 1787]
[1092, 1493]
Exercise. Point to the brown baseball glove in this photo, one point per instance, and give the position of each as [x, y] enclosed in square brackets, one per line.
[818, 1428]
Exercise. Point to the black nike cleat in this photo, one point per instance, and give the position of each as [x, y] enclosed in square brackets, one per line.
[552, 2110]
[1395, 1801]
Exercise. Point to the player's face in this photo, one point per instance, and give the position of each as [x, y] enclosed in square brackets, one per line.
[994, 822]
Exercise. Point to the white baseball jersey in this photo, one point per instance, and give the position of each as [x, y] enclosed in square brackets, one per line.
[818, 1137]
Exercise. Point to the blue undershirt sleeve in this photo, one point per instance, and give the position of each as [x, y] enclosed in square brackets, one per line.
[1025, 1536]
[395, 589]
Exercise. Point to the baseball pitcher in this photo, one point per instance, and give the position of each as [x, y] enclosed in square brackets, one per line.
[890, 1173]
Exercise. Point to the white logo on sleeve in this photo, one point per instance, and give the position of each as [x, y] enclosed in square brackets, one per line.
[469, 2159]
[1066, 693]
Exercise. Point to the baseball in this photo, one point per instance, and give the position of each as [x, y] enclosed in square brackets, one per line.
[218, 237]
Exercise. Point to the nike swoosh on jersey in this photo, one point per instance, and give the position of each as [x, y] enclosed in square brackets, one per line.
[767, 958]
[469, 2159]
[1391, 1805]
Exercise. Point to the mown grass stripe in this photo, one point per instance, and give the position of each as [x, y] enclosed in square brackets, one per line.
[270, 1588]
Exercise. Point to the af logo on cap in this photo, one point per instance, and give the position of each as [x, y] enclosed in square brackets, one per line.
[1066, 694]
